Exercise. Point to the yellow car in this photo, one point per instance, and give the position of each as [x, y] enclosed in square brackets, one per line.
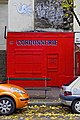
[12, 97]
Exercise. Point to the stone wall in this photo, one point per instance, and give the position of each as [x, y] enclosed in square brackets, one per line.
[2, 64]
[49, 14]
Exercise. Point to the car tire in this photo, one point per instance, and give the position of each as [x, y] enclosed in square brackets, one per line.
[76, 106]
[7, 106]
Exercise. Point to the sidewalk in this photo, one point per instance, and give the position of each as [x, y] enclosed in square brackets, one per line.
[38, 97]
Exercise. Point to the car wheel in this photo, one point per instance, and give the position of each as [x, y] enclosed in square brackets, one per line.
[7, 106]
[76, 106]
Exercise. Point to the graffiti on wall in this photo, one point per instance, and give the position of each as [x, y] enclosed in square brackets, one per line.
[24, 9]
[50, 14]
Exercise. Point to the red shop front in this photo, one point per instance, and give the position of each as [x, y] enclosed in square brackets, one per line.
[33, 57]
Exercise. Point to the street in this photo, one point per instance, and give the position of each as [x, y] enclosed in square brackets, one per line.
[43, 112]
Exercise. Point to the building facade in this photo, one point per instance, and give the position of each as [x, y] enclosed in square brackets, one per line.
[36, 15]
[3, 23]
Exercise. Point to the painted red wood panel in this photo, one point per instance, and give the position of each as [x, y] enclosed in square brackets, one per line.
[40, 55]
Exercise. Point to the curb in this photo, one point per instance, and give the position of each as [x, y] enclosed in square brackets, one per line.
[45, 103]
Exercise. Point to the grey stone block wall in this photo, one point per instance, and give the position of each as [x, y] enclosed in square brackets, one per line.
[50, 15]
[2, 64]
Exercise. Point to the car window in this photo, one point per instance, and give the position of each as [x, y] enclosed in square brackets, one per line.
[70, 81]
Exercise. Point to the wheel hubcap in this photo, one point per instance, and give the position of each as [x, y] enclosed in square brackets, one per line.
[5, 106]
[77, 106]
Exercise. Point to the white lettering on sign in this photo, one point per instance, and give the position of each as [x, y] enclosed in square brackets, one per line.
[77, 37]
[36, 42]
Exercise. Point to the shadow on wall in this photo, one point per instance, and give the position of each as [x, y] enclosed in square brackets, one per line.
[50, 14]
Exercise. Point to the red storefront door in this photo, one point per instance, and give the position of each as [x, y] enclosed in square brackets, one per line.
[52, 68]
